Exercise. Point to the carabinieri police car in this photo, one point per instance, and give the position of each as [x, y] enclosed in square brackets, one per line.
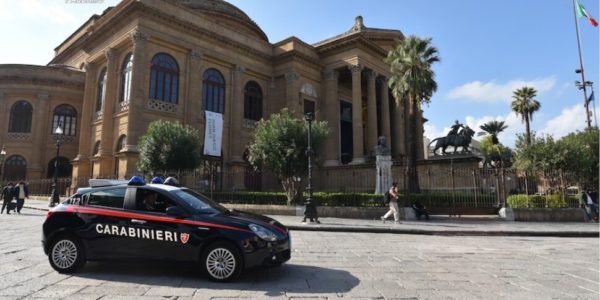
[162, 222]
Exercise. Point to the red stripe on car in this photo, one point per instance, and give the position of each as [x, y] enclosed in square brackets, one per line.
[131, 215]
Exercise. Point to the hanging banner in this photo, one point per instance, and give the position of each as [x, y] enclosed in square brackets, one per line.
[213, 134]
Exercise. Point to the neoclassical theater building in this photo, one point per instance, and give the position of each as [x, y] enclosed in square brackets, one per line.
[144, 60]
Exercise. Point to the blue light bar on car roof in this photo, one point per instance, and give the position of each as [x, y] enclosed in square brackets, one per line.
[136, 180]
[157, 180]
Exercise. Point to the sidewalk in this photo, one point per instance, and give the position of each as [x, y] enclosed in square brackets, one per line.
[438, 225]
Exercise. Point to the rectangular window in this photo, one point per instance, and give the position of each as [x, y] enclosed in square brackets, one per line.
[107, 198]
[153, 84]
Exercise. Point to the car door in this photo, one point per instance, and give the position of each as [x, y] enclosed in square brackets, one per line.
[102, 215]
[159, 236]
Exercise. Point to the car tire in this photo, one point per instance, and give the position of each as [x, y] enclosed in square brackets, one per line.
[66, 254]
[221, 262]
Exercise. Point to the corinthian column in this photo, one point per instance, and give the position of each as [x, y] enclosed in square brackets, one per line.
[110, 100]
[332, 116]
[81, 163]
[291, 93]
[371, 112]
[139, 90]
[138, 99]
[38, 134]
[358, 152]
[399, 140]
[237, 113]
[385, 110]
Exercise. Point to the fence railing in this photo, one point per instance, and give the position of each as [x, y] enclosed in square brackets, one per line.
[439, 187]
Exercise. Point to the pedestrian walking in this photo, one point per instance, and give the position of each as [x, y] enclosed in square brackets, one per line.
[591, 207]
[21, 192]
[392, 193]
[7, 196]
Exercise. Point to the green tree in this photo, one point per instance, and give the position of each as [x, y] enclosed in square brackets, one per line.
[169, 146]
[412, 79]
[494, 128]
[525, 105]
[280, 144]
[497, 155]
[579, 152]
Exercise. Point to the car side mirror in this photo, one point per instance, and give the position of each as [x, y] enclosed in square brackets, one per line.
[176, 211]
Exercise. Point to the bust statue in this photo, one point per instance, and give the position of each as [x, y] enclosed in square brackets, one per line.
[382, 147]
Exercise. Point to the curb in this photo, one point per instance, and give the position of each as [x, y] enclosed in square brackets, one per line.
[578, 234]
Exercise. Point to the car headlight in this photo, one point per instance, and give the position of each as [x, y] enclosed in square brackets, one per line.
[263, 233]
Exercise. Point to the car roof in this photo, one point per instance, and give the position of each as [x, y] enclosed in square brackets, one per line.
[156, 186]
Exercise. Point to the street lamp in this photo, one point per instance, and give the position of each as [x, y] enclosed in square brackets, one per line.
[2, 156]
[54, 198]
[310, 210]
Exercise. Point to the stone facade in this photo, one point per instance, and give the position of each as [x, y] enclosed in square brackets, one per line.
[114, 87]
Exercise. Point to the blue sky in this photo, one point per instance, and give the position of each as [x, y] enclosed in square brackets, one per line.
[488, 48]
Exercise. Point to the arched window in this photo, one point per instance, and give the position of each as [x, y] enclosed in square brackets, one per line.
[126, 78]
[64, 167]
[65, 115]
[101, 94]
[213, 91]
[164, 78]
[121, 143]
[15, 168]
[20, 117]
[96, 148]
[252, 101]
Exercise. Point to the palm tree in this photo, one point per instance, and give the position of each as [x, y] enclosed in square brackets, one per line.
[412, 79]
[525, 105]
[494, 128]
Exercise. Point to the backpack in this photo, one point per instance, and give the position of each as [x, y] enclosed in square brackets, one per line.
[387, 198]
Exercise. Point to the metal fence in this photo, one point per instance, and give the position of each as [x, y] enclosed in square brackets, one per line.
[439, 187]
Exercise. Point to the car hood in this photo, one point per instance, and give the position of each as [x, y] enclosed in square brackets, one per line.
[245, 218]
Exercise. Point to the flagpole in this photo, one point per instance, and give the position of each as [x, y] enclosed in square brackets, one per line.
[582, 71]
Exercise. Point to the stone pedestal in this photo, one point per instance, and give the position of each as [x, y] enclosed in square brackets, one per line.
[384, 173]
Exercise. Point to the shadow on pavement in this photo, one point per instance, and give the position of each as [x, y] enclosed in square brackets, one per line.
[291, 278]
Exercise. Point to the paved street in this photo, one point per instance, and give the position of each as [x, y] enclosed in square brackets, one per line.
[324, 265]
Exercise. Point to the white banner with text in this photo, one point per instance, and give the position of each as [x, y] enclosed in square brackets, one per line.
[213, 134]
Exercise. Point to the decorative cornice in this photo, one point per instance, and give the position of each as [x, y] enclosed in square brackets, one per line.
[331, 74]
[356, 69]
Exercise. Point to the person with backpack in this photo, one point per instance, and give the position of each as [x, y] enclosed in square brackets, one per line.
[391, 196]
[7, 196]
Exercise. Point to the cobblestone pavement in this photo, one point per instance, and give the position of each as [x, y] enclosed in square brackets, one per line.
[324, 265]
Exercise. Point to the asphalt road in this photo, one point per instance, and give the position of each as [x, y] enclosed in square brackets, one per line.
[324, 265]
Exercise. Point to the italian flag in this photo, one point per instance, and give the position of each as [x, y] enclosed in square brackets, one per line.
[582, 13]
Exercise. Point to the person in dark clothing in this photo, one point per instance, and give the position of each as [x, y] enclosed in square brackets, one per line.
[7, 196]
[420, 210]
[21, 192]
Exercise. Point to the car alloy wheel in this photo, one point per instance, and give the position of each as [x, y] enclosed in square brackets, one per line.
[66, 255]
[222, 261]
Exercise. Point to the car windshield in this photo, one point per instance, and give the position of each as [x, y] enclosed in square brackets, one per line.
[200, 202]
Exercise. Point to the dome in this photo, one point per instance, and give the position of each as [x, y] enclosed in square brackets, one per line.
[222, 8]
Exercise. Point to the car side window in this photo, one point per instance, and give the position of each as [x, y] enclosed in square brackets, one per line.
[107, 198]
[152, 201]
